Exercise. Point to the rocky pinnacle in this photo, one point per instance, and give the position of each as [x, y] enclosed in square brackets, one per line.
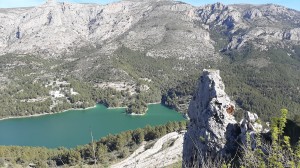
[213, 129]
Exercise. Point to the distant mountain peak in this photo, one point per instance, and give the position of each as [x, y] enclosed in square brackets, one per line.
[51, 2]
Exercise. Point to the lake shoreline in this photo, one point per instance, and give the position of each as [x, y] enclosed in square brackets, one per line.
[135, 114]
[116, 107]
[74, 127]
[127, 107]
[154, 103]
[42, 114]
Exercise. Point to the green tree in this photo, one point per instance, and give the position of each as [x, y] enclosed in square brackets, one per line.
[73, 157]
[101, 153]
[138, 135]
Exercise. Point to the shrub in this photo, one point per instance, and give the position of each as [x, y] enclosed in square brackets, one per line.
[277, 153]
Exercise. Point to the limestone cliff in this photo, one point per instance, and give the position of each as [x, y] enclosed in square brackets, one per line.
[213, 131]
[212, 125]
[57, 28]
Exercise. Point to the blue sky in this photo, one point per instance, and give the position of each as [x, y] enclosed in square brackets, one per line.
[294, 4]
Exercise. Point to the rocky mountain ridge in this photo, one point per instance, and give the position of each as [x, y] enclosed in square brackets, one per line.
[54, 27]
[185, 30]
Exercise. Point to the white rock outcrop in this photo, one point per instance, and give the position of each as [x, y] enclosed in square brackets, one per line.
[253, 13]
[250, 125]
[156, 156]
[294, 34]
[213, 131]
[212, 127]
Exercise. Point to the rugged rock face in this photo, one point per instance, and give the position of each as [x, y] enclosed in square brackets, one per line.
[250, 125]
[213, 131]
[60, 28]
[57, 27]
[184, 30]
[212, 127]
[260, 25]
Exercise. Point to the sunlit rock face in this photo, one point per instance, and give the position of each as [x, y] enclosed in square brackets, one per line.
[213, 129]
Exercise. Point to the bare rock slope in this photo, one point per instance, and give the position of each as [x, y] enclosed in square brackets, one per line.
[60, 28]
[156, 156]
[161, 28]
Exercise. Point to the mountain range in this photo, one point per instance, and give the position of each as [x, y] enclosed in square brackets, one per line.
[60, 28]
[168, 42]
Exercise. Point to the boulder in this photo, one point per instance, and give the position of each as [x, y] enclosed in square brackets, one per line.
[250, 125]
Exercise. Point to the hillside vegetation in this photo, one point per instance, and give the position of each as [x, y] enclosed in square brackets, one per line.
[133, 53]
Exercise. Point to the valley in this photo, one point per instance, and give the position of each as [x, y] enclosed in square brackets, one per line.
[166, 42]
[109, 65]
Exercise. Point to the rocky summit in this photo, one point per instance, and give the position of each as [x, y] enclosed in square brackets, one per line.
[213, 131]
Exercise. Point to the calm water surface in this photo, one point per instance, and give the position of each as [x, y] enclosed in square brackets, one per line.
[73, 127]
